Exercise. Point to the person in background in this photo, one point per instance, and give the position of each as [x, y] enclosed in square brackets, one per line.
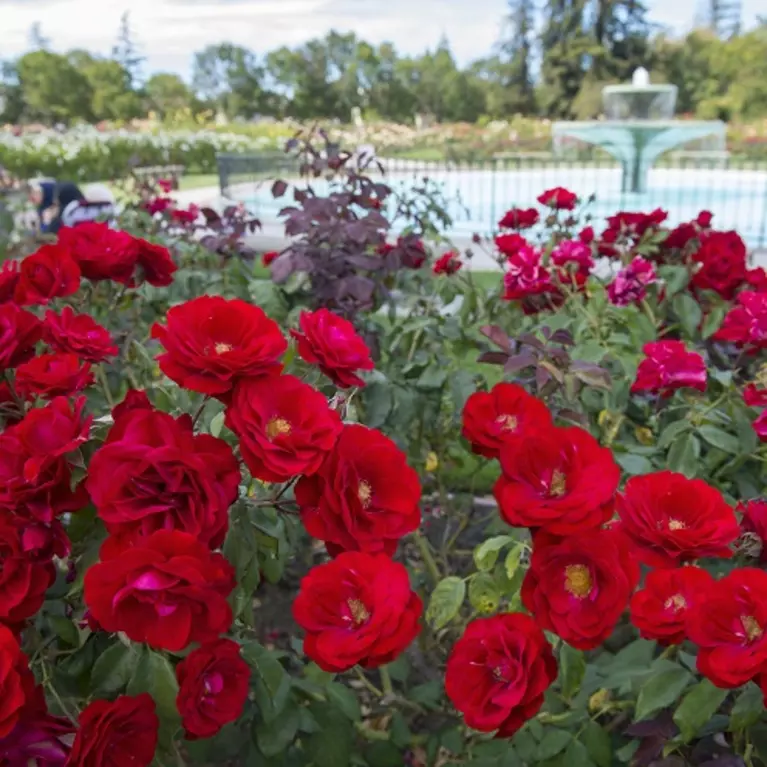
[64, 204]
[42, 194]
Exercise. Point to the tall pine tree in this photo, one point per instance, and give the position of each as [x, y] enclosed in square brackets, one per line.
[515, 57]
[126, 51]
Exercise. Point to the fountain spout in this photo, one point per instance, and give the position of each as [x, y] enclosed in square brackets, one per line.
[640, 78]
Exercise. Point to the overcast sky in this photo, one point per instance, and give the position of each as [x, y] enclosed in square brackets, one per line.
[171, 30]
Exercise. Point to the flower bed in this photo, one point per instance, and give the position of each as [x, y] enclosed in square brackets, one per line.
[228, 529]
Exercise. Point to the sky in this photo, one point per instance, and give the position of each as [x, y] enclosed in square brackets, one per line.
[169, 31]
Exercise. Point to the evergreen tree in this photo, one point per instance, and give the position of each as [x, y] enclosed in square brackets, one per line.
[126, 51]
[514, 58]
[37, 40]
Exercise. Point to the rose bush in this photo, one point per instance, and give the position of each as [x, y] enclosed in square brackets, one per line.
[240, 523]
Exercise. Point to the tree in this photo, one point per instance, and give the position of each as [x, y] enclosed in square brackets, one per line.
[513, 69]
[11, 94]
[126, 51]
[112, 96]
[37, 39]
[168, 93]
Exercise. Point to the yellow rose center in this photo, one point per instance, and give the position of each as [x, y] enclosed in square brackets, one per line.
[676, 524]
[677, 602]
[364, 493]
[751, 627]
[358, 610]
[276, 427]
[558, 485]
[578, 580]
[220, 348]
[507, 422]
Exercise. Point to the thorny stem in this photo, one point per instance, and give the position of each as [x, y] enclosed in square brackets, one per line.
[369, 686]
[386, 685]
[199, 410]
[14, 394]
[104, 381]
[425, 549]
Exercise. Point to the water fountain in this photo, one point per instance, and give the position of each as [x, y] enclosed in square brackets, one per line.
[638, 127]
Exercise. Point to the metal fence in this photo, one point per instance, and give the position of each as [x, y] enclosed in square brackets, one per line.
[478, 193]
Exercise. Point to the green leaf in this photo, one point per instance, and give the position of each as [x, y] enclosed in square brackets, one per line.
[689, 312]
[554, 742]
[661, 691]
[484, 594]
[684, 454]
[672, 431]
[276, 735]
[378, 403]
[154, 674]
[572, 667]
[445, 601]
[65, 630]
[113, 670]
[433, 377]
[634, 464]
[272, 683]
[461, 388]
[697, 708]
[513, 558]
[721, 439]
[486, 554]
[598, 745]
[216, 424]
[345, 699]
[713, 321]
[577, 753]
[675, 277]
[331, 745]
[383, 754]
[748, 708]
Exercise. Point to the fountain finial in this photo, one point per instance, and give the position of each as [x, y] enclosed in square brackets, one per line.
[640, 78]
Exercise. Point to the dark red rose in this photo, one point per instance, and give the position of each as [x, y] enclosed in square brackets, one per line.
[158, 205]
[668, 366]
[211, 342]
[660, 609]
[122, 733]
[38, 739]
[746, 323]
[357, 609]
[729, 627]
[575, 253]
[525, 275]
[267, 258]
[167, 185]
[580, 586]
[633, 225]
[671, 519]
[285, 427]
[630, 284]
[448, 263]
[53, 375]
[49, 273]
[757, 279]
[760, 426]
[506, 412]
[101, 252]
[559, 198]
[213, 685]
[78, 334]
[412, 251]
[364, 495]
[9, 279]
[10, 410]
[23, 579]
[19, 332]
[167, 590]
[755, 396]
[185, 216]
[561, 480]
[155, 263]
[17, 685]
[754, 522]
[587, 235]
[498, 671]
[704, 219]
[722, 259]
[332, 343]
[135, 399]
[680, 236]
[154, 473]
[510, 244]
[519, 218]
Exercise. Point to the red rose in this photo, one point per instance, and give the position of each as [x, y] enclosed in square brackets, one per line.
[285, 427]
[510, 244]
[158, 205]
[78, 334]
[412, 251]
[210, 342]
[155, 263]
[38, 739]
[630, 284]
[184, 217]
[729, 627]
[580, 586]
[101, 252]
[633, 225]
[364, 497]
[19, 332]
[757, 279]
[49, 273]
[506, 412]
[357, 609]
[704, 219]
[573, 252]
[754, 522]
[660, 609]
[760, 426]
[17, 685]
[332, 343]
[587, 235]
[671, 519]
[213, 685]
[267, 258]
[525, 275]
[561, 480]
[122, 733]
[558, 198]
[722, 258]
[448, 263]
[167, 590]
[680, 236]
[668, 366]
[23, 579]
[9, 279]
[154, 473]
[53, 375]
[746, 323]
[519, 218]
[498, 671]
